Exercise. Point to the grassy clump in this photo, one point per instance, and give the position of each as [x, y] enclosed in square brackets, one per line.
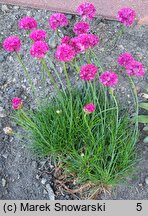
[97, 147]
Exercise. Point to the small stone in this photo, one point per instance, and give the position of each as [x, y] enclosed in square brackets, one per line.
[5, 156]
[16, 7]
[53, 42]
[3, 182]
[50, 192]
[34, 164]
[45, 192]
[8, 130]
[43, 181]
[69, 16]
[5, 8]
[37, 177]
[2, 112]
[146, 180]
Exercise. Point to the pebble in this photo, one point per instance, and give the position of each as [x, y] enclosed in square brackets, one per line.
[2, 112]
[43, 181]
[16, 7]
[69, 16]
[3, 182]
[37, 177]
[146, 180]
[50, 192]
[4, 8]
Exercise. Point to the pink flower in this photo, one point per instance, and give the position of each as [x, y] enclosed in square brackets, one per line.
[12, 44]
[27, 23]
[81, 27]
[86, 10]
[66, 40]
[84, 41]
[135, 68]
[17, 103]
[89, 108]
[57, 20]
[38, 35]
[109, 78]
[126, 16]
[65, 53]
[124, 59]
[39, 49]
[88, 72]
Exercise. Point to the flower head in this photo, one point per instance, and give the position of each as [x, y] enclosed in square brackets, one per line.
[57, 20]
[89, 108]
[135, 68]
[39, 49]
[17, 103]
[38, 35]
[87, 11]
[27, 23]
[124, 59]
[126, 16]
[109, 78]
[81, 27]
[88, 72]
[12, 44]
[65, 53]
[66, 40]
[84, 41]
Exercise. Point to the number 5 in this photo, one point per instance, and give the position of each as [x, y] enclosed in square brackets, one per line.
[139, 206]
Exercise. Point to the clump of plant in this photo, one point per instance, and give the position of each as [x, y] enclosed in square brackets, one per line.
[84, 127]
[143, 118]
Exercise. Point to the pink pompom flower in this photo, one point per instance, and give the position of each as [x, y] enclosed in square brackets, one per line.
[87, 11]
[57, 20]
[27, 23]
[135, 68]
[124, 59]
[126, 16]
[38, 35]
[89, 108]
[12, 43]
[17, 103]
[85, 41]
[39, 49]
[66, 40]
[88, 72]
[65, 53]
[81, 27]
[109, 78]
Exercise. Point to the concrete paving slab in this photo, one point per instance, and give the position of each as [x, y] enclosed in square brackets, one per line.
[105, 8]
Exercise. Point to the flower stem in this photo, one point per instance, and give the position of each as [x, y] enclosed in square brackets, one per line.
[26, 71]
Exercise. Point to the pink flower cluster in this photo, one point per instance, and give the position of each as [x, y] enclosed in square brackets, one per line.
[17, 103]
[88, 72]
[89, 108]
[126, 16]
[38, 35]
[109, 78]
[86, 10]
[85, 41]
[81, 28]
[57, 20]
[125, 59]
[39, 49]
[65, 53]
[27, 23]
[76, 45]
[133, 67]
[12, 44]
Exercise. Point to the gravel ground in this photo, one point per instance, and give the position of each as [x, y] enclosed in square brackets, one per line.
[22, 176]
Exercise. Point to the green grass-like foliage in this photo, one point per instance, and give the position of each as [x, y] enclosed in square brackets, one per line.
[95, 147]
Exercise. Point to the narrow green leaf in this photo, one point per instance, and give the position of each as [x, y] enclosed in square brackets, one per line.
[144, 105]
[145, 140]
[143, 119]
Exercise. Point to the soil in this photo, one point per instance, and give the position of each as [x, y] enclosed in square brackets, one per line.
[22, 175]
